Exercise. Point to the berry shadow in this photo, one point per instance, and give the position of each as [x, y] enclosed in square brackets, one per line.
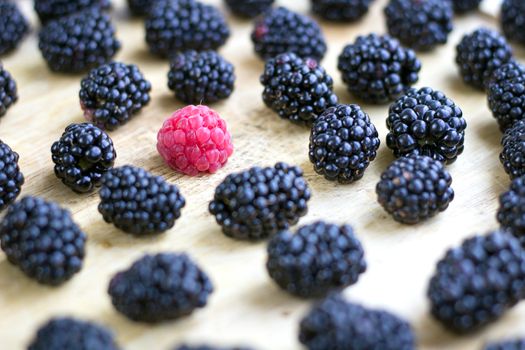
[106, 235]
[267, 296]
[488, 131]
[215, 239]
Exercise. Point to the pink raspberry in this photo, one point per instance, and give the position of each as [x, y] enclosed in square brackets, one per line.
[194, 140]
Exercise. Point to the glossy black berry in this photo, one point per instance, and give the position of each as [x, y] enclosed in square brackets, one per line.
[415, 188]
[48, 10]
[341, 10]
[513, 20]
[178, 25]
[280, 30]
[201, 77]
[518, 344]
[297, 89]
[479, 54]
[463, 6]
[140, 7]
[8, 91]
[511, 212]
[477, 282]
[513, 154]
[113, 93]
[377, 69]
[426, 122]
[343, 142]
[11, 178]
[159, 288]
[260, 202]
[13, 27]
[249, 8]
[82, 156]
[42, 239]
[336, 324]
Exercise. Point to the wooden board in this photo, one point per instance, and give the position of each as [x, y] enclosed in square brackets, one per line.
[246, 308]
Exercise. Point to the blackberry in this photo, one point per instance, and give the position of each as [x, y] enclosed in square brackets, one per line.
[82, 156]
[462, 6]
[206, 347]
[341, 10]
[319, 258]
[336, 324]
[178, 25]
[159, 288]
[506, 94]
[280, 30]
[13, 27]
[414, 188]
[474, 284]
[518, 344]
[377, 69]
[260, 202]
[8, 91]
[11, 178]
[70, 333]
[201, 77]
[513, 154]
[513, 20]
[426, 122]
[78, 42]
[297, 89]
[111, 94]
[140, 7]
[479, 54]
[42, 239]
[249, 8]
[48, 10]
[421, 25]
[137, 202]
[511, 212]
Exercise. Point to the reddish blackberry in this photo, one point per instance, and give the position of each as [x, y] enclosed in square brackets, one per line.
[249, 8]
[42, 239]
[178, 25]
[377, 69]
[112, 93]
[343, 142]
[341, 10]
[474, 284]
[415, 188]
[11, 178]
[421, 25]
[137, 202]
[206, 347]
[70, 333]
[337, 324]
[82, 156]
[511, 213]
[201, 77]
[297, 89]
[13, 27]
[319, 258]
[260, 202]
[48, 10]
[140, 7]
[159, 288]
[518, 344]
[426, 122]
[479, 54]
[280, 30]
[78, 42]
[8, 91]
[462, 6]
[513, 20]
[513, 154]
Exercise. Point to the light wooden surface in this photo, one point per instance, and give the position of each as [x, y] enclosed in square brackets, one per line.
[246, 308]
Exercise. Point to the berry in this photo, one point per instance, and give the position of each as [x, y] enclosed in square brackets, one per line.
[69, 333]
[343, 142]
[421, 25]
[11, 179]
[82, 156]
[513, 154]
[474, 284]
[511, 212]
[159, 288]
[377, 69]
[78, 42]
[297, 89]
[341, 10]
[518, 344]
[137, 202]
[414, 188]
[319, 258]
[513, 20]
[462, 6]
[201, 77]
[280, 30]
[42, 239]
[8, 91]
[177, 25]
[426, 122]
[260, 202]
[48, 10]
[112, 93]
[479, 54]
[336, 324]
[206, 347]
[13, 27]
[506, 94]
[195, 140]
[249, 8]
[140, 7]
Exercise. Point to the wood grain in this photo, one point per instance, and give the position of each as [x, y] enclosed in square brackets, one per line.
[246, 308]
